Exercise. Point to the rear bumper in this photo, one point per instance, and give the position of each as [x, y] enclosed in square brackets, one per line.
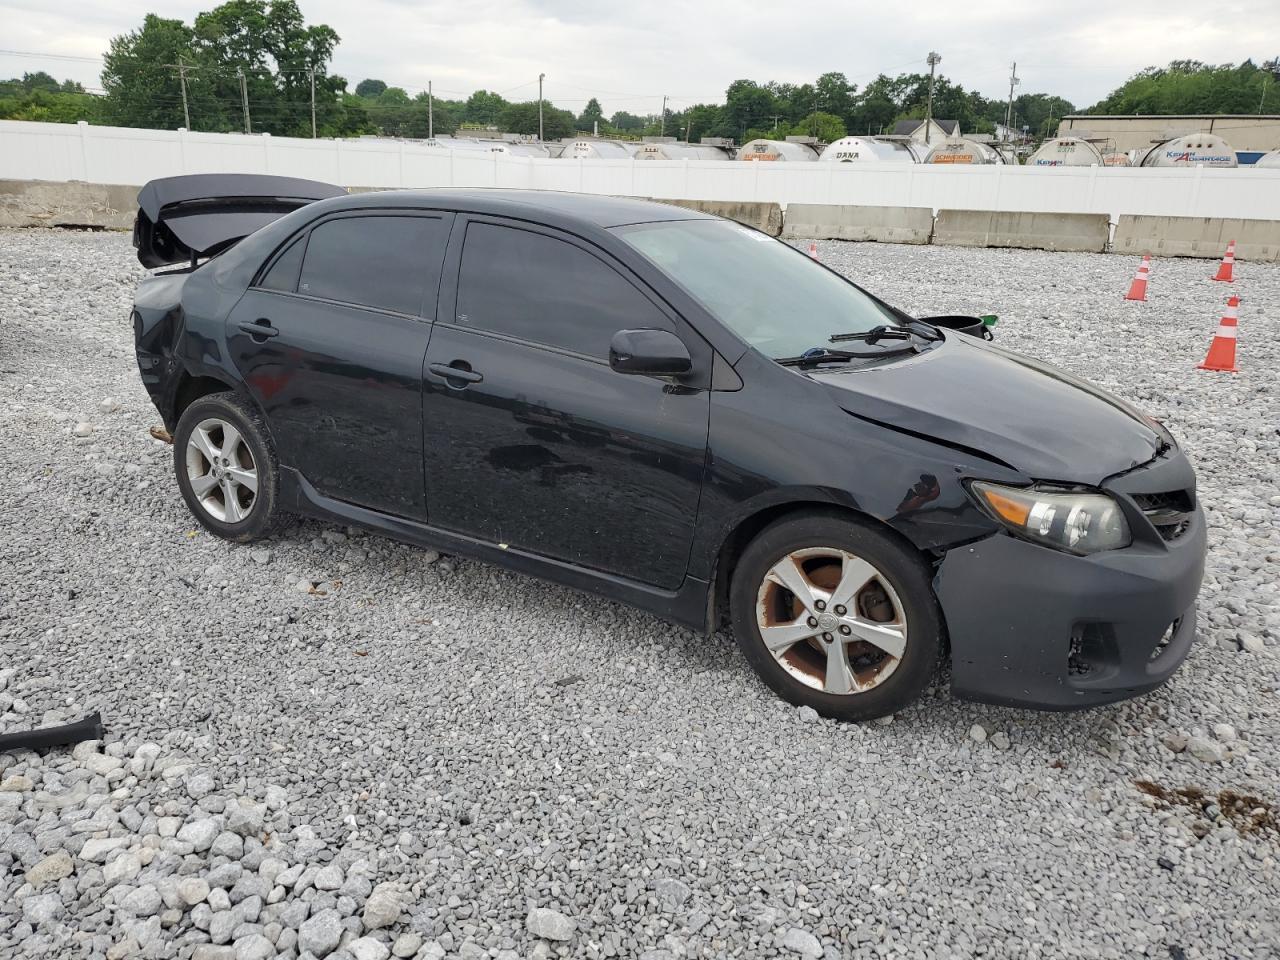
[1034, 627]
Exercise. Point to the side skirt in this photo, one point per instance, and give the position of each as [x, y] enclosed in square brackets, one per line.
[686, 606]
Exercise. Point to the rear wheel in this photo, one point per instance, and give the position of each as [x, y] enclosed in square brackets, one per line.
[226, 467]
[837, 616]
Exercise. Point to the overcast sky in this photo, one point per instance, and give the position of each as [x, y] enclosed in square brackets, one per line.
[630, 54]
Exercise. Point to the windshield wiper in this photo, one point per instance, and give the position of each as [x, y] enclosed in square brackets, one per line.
[815, 355]
[874, 335]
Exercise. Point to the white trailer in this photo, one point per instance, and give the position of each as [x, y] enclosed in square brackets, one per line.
[870, 149]
[1066, 152]
[682, 151]
[1191, 150]
[964, 152]
[773, 150]
[587, 149]
[1269, 161]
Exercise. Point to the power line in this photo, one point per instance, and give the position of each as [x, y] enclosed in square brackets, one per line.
[48, 56]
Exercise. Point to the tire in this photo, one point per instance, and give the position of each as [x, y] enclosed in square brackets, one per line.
[220, 495]
[895, 607]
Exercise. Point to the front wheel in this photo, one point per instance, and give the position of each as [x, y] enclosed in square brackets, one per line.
[226, 467]
[836, 615]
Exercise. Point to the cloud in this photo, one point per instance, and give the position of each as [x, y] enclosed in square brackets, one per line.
[630, 55]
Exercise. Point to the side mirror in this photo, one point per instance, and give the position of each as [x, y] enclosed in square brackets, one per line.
[658, 353]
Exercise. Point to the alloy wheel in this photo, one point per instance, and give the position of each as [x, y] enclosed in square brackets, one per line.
[832, 620]
[221, 470]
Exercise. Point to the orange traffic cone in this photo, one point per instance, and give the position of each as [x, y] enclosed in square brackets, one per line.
[1138, 289]
[813, 250]
[1222, 352]
[1228, 263]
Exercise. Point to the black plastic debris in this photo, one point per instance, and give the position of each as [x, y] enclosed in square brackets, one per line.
[90, 728]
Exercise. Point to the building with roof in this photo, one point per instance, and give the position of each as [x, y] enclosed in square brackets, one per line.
[936, 132]
[1244, 131]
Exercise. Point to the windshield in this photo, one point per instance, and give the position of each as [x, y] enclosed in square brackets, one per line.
[768, 292]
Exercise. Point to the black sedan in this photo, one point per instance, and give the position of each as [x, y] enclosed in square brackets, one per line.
[674, 411]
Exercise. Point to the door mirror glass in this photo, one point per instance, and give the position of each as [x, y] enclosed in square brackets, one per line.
[658, 353]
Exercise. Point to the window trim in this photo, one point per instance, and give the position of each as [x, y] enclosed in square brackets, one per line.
[678, 325]
[303, 235]
[301, 238]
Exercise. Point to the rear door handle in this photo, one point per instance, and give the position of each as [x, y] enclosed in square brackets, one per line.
[260, 329]
[458, 373]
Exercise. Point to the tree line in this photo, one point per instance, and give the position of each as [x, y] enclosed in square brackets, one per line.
[262, 55]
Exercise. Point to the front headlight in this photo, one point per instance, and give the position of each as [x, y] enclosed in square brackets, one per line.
[1075, 522]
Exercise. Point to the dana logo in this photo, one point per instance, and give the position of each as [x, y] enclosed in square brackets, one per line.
[847, 154]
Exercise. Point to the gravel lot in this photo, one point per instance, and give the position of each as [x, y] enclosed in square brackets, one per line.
[438, 758]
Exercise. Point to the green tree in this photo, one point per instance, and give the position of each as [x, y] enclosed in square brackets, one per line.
[746, 105]
[266, 41]
[370, 88]
[1035, 111]
[141, 87]
[1188, 86]
[701, 120]
[825, 126]
[271, 43]
[591, 115]
[40, 81]
[444, 113]
[523, 118]
[483, 107]
[627, 122]
[833, 94]
[38, 96]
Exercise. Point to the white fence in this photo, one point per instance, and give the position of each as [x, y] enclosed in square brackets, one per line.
[63, 152]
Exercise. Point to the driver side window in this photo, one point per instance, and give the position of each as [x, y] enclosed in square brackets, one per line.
[547, 291]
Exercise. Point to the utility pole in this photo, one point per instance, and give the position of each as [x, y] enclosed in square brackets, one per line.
[688, 130]
[1263, 99]
[662, 128]
[933, 60]
[312, 72]
[1008, 111]
[244, 98]
[540, 79]
[181, 67]
[431, 122]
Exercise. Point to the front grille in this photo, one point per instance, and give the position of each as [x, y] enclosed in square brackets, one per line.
[1169, 513]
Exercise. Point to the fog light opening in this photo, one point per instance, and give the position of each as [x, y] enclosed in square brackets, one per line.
[1165, 639]
[1091, 650]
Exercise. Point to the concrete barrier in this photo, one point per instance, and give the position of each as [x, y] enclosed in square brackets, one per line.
[762, 216]
[1198, 237]
[824, 221]
[41, 203]
[1082, 232]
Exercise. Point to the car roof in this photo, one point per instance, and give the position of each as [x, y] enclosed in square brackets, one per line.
[599, 211]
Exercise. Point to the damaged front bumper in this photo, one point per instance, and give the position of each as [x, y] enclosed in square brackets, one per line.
[1035, 627]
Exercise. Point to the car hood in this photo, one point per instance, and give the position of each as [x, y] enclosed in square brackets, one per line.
[1027, 414]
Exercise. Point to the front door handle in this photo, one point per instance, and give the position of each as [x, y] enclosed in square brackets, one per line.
[458, 373]
[260, 329]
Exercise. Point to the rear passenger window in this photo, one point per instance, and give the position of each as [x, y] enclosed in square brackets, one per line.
[283, 274]
[392, 263]
[538, 288]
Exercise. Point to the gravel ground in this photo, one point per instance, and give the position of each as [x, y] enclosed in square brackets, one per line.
[435, 757]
